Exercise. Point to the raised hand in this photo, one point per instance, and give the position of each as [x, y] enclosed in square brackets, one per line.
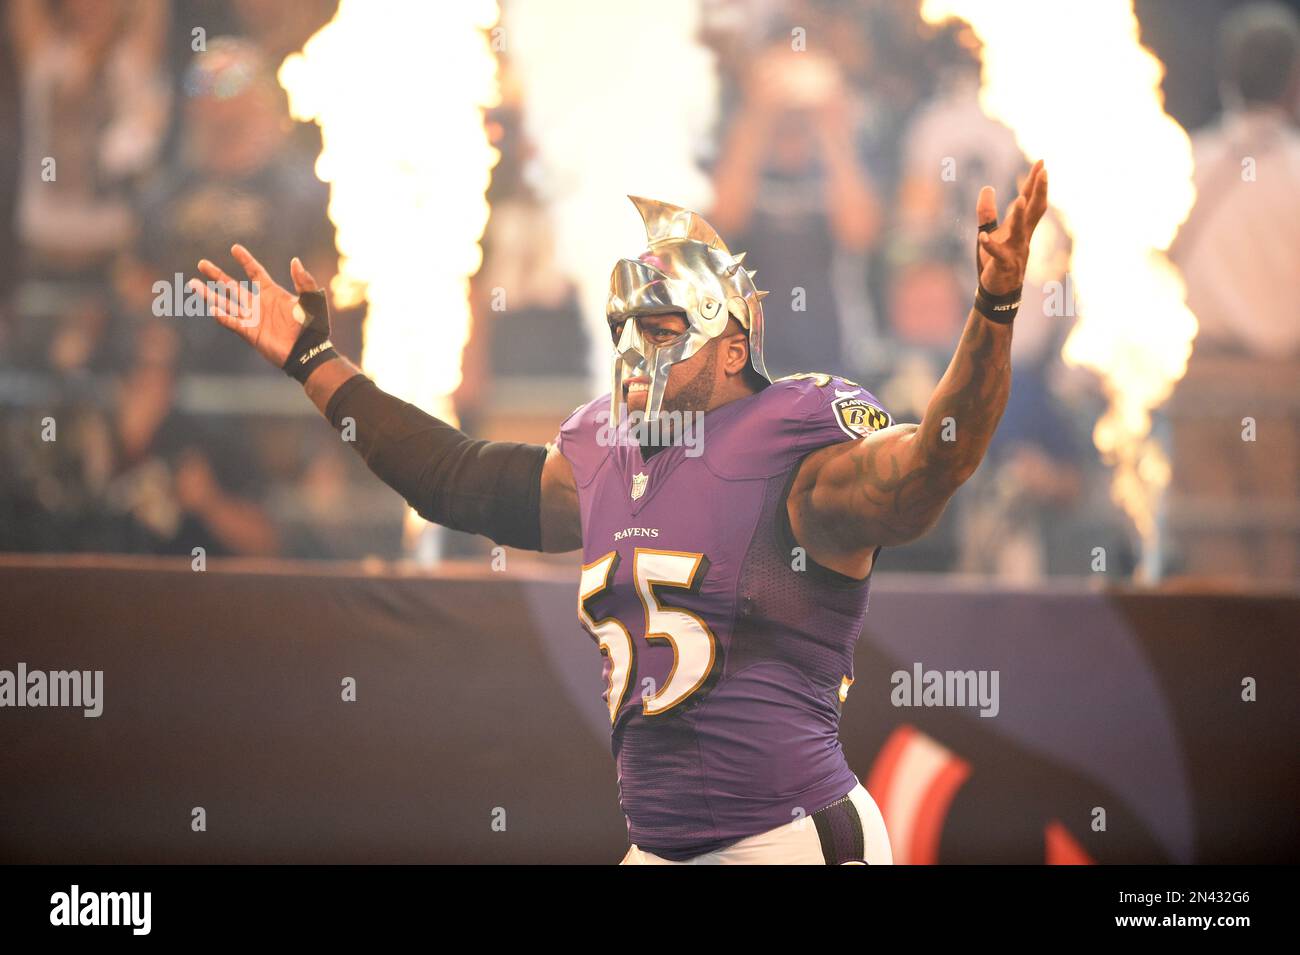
[1004, 252]
[267, 316]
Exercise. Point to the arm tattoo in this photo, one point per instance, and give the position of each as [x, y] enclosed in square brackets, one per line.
[895, 487]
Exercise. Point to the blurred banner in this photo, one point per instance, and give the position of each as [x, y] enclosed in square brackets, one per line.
[478, 733]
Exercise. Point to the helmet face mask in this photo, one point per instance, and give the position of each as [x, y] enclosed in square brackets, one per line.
[638, 357]
[688, 270]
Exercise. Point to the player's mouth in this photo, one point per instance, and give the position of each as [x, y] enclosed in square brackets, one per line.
[635, 386]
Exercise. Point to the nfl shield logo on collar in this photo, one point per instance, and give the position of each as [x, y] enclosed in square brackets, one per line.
[639, 481]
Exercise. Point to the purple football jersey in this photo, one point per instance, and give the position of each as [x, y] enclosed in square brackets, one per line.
[726, 651]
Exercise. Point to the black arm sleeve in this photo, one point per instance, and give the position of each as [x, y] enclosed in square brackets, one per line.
[493, 488]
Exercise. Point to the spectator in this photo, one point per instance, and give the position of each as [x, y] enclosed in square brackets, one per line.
[10, 164]
[950, 151]
[1029, 477]
[1237, 250]
[133, 475]
[791, 190]
[95, 109]
[1233, 501]
[238, 179]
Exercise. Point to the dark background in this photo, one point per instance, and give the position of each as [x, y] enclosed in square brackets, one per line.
[478, 691]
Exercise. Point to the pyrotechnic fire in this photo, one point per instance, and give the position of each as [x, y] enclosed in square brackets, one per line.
[1074, 84]
[619, 99]
[398, 90]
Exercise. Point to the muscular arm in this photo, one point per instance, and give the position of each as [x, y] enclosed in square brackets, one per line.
[891, 487]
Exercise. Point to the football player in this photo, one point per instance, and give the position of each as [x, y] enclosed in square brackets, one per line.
[725, 578]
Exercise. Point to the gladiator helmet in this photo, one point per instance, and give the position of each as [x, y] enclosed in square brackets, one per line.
[686, 267]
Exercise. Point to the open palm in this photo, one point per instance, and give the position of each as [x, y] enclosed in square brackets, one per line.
[1004, 252]
[265, 315]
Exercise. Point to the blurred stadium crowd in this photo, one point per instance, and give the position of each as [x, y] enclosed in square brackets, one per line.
[826, 170]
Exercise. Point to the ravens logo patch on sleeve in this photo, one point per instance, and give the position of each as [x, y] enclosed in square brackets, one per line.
[858, 417]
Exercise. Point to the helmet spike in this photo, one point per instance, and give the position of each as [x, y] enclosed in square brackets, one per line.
[664, 221]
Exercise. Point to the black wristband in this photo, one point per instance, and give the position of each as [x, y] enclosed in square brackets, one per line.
[996, 308]
[313, 347]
